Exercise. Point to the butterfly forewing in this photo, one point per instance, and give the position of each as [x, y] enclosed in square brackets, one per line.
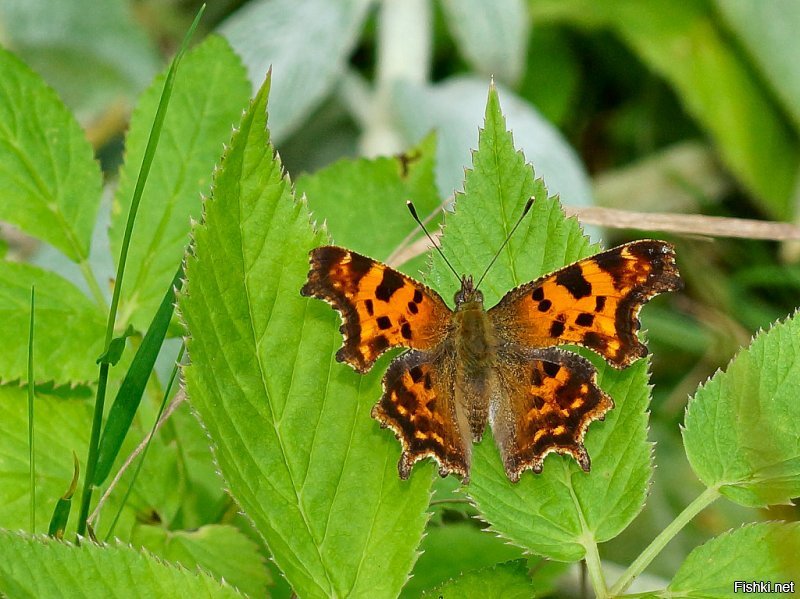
[594, 302]
[380, 307]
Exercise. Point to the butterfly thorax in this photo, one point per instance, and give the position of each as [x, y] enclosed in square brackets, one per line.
[475, 344]
[473, 333]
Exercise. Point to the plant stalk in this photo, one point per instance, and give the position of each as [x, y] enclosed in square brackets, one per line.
[639, 565]
[594, 567]
[31, 446]
[144, 171]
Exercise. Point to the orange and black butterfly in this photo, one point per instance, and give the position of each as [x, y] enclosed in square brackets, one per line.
[471, 365]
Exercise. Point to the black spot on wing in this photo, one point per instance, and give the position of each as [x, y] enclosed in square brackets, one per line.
[384, 322]
[391, 282]
[556, 329]
[405, 330]
[551, 368]
[379, 344]
[359, 265]
[599, 303]
[545, 305]
[584, 319]
[595, 341]
[613, 263]
[571, 278]
[417, 296]
[370, 308]
[412, 308]
[538, 294]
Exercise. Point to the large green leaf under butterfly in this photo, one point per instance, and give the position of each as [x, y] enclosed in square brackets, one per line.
[562, 512]
[291, 428]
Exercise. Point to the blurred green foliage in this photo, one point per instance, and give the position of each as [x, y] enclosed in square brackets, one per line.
[648, 105]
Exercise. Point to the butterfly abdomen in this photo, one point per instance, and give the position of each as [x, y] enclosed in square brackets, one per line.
[476, 352]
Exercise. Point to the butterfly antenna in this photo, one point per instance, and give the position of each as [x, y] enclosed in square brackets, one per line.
[413, 212]
[525, 211]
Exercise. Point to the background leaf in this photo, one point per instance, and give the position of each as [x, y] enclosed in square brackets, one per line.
[502, 581]
[63, 418]
[219, 549]
[36, 567]
[306, 42]
[449, 549]
[742, 430]
[492, 37]
[90, 56]
[49, 181]
[354, 196]
[766, 31]
[557, 512]
[767, 551]
[454, 108]
[292, 430]
[69, 328]
[210, 92]
[683, 44]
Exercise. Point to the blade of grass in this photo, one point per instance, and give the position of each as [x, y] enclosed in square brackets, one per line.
[129, 396]
[32, 453]
[144, 171]
[147, 444]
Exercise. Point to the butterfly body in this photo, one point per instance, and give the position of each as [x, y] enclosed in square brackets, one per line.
[470, 366]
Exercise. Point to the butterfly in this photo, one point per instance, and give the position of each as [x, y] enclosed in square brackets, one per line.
[468, 366]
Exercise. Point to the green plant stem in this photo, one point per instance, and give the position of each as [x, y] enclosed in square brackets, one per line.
[149, 441]
[31, 448]
[594, 567]
[144, 171]
[639, 565]
[404, 38]
[94, 286]
[91, 459]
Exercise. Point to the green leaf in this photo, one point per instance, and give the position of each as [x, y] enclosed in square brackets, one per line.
[277, 35]
[682, 42]
[219, 549]
[504, 581]
[63, 419]
[49, 181]
[61, 428]
[454, 108]
[210, 91]
[36, 567]
[563, 510]
[758, 552]
[451, 548]
[742, 430]
[766, 29]
[69, 328]
[58, 523]
[90, 56]
[292, 429]
[114, 352]
[129, 395]
[491, 36]
[354, 196]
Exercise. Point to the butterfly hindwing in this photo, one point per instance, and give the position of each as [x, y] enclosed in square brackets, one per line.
[547, 399]
[380, 307]
[594, 302]
[419, 405]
